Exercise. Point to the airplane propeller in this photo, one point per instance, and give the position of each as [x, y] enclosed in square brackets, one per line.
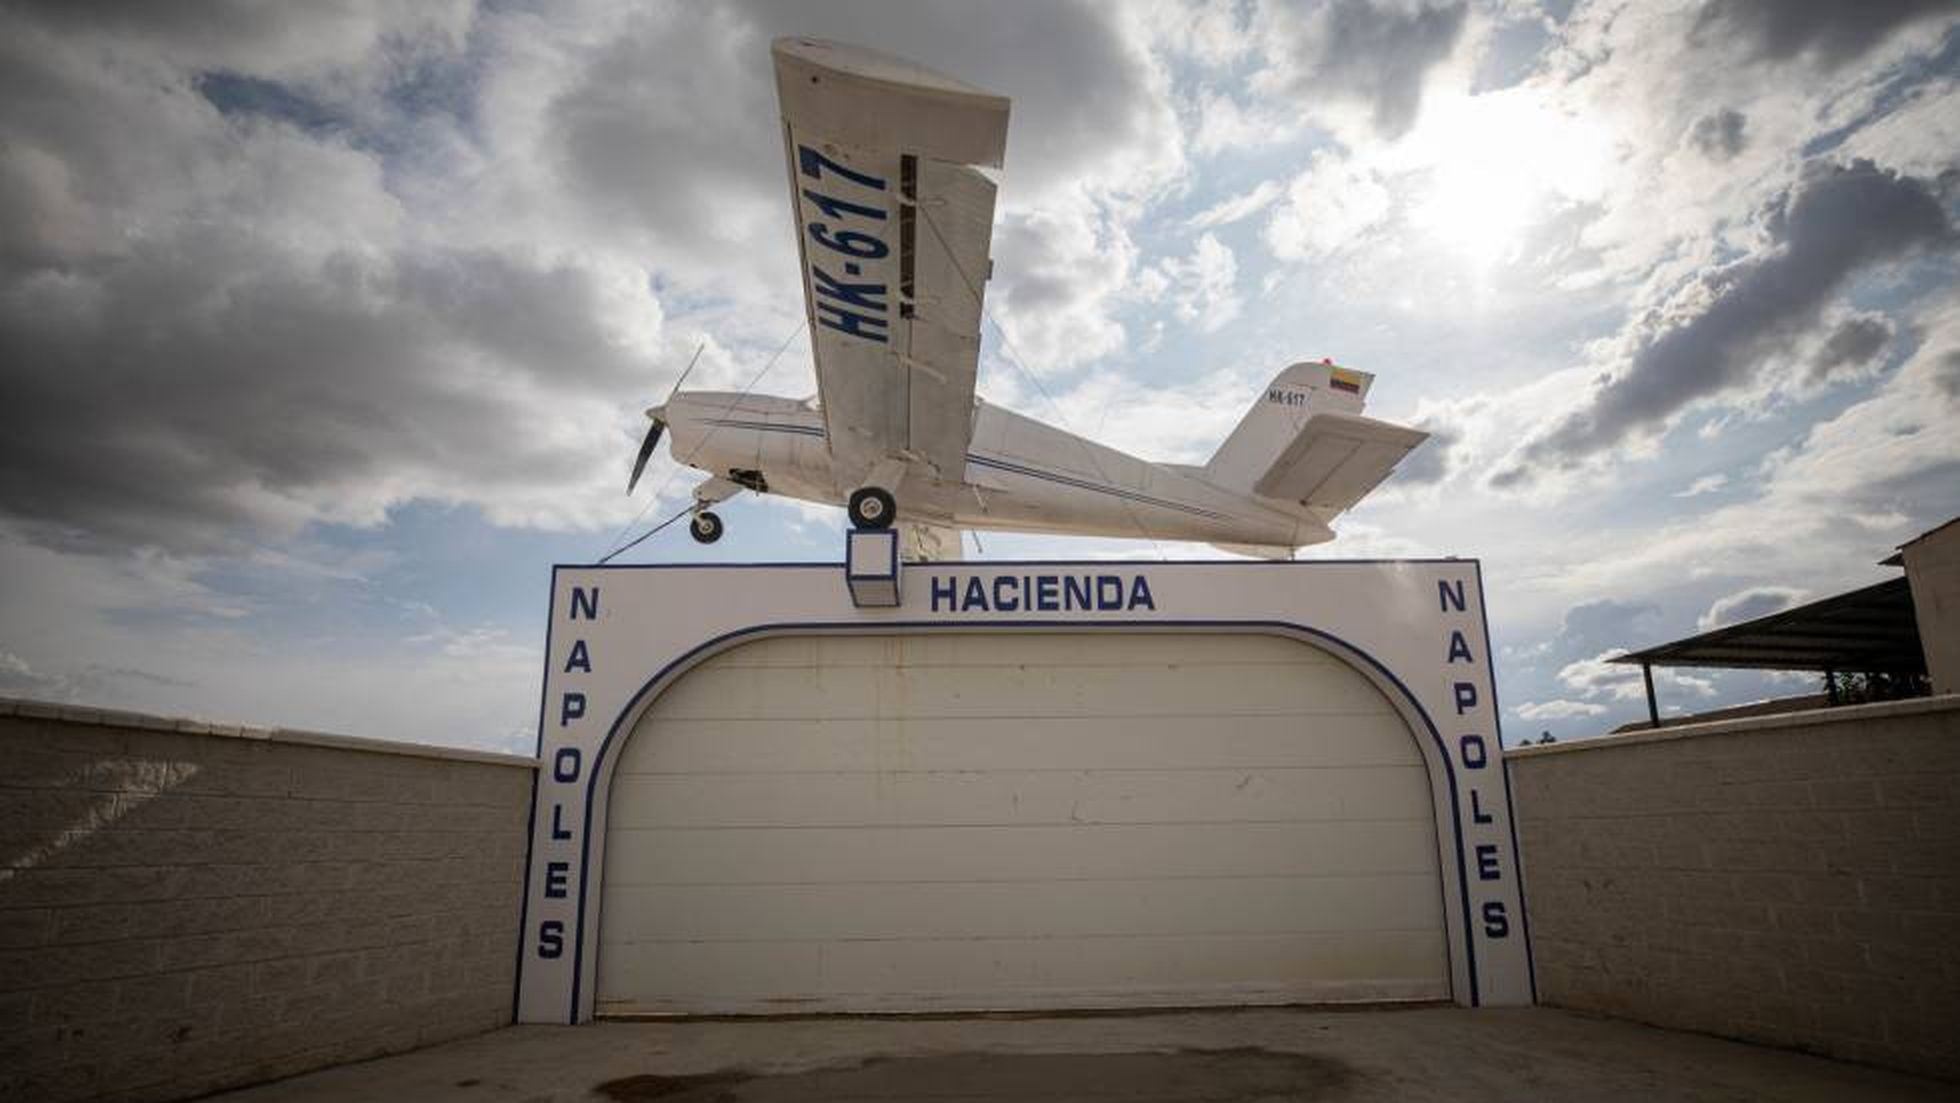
[659, 426]
[646, 452]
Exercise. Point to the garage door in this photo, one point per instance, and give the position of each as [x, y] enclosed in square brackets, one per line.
[904, 823]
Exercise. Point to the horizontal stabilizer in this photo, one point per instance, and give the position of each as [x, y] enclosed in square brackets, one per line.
[1336, 460]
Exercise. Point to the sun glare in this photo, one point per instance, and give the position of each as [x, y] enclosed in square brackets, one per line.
[1495, 165]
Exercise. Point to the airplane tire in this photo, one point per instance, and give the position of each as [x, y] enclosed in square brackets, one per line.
[705, 527]
[873, 507]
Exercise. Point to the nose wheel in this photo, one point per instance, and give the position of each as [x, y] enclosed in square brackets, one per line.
[872, 507]
[705, 527]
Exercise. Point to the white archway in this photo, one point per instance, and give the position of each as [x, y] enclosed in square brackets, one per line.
[1414, 629]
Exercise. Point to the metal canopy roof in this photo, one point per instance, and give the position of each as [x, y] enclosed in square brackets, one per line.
[1868, 630]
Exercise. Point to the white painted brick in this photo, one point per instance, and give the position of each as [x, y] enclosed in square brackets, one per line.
[284, 902]
[1807, 877]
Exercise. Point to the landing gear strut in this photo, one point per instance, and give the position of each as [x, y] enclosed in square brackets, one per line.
[705, 527]
[872, 507]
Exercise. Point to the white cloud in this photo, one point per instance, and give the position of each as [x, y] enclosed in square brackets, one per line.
[483, 643]
[1485, 169]
[1328, 208]
[1358, 68]
[1214, 35]
[1361, 539]
[1706, 484]
[142, 632]
[1917, 137]
[1884, 449]
[1756, 601]
[1200, 288]
[1225, 124]
[1832, 502]
[1059, 274]
[1557, 709]
[1735, 332]
[1647, 73]
[1238, 207]
[1596, 677]
[374, 240]
[1175, 423]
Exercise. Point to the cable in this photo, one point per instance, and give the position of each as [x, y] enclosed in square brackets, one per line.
[628, 526]
[682, 463]
[607, 558]
[1014, 358]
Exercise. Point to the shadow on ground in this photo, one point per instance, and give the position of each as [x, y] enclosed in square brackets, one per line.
[1182, 1076]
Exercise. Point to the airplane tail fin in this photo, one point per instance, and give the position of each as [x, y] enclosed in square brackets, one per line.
[1304, 441]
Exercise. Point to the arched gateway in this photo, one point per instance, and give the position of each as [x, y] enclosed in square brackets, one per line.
[758, 798]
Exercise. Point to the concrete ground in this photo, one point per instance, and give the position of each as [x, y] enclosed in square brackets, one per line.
[1428, 1053]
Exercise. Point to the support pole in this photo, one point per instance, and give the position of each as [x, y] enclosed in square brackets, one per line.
[1830, 687]
[1653, 710]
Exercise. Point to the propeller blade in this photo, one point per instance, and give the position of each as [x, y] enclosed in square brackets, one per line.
[691, 361]
[660, 423]
[646, 452]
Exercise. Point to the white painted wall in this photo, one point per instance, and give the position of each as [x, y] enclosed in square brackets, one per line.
[621, 637]
[1019, 821]
[188, 907]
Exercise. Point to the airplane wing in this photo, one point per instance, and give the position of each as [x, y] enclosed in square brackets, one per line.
[893, 228]
[1336, 460]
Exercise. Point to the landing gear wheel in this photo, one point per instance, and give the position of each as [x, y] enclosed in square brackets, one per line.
[872, 508]
[705, 527]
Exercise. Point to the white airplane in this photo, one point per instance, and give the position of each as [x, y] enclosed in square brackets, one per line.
[894, 224]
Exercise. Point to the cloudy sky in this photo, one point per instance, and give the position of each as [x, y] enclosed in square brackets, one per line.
[325, 327]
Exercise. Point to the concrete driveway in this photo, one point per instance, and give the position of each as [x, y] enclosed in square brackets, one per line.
[1428, 1053]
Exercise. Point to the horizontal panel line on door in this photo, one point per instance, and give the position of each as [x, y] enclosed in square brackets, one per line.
[911, 826]
[1142, 936]
[1346, 767]
[1375, 874]
[1044, 663]
[1212, 716]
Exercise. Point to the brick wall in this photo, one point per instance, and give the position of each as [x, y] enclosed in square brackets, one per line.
[185, 908]
[1793, 880]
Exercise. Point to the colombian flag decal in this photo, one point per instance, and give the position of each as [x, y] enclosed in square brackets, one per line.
[1343, 380]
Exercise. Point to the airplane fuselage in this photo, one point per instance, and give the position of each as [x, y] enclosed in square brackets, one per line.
[1020, 475]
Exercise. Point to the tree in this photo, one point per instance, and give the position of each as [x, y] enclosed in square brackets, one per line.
[1870, 686]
